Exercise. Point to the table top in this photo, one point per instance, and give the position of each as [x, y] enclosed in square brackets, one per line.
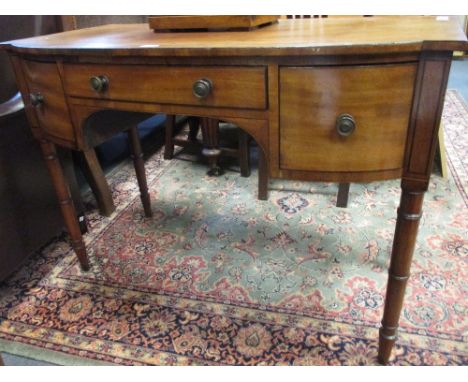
[321, 36]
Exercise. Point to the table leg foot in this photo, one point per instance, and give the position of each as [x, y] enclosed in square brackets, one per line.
[80, 250]
[387, 338]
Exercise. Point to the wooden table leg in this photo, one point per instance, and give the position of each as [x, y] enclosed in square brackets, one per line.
[93, 173]
[65, 201]
[70, 175]
[343, 195]
[262, 175]
[244, 153]
[210, 130]
[194, 127]
[169, 138]
[409, 214]
[139, 163]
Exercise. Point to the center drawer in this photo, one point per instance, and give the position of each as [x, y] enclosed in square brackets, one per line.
[235, 87]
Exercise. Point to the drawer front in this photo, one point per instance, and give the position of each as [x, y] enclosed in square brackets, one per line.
[43, 79]
[236, 87]
[320, 105]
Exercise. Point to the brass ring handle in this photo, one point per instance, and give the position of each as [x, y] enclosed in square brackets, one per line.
[36, 99]
[99, 83]
[345, 125]
[202, 88]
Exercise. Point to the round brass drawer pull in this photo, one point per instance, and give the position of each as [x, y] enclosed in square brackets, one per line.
[345, 125]
[202, 88]
[99, 83]
[36, 99]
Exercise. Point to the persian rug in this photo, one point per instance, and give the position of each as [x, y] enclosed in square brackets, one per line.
[217, 277]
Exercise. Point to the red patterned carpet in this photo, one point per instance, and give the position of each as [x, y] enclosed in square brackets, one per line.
[217, 277]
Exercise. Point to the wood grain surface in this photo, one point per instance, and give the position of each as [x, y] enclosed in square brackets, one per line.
[378, 97]
[52, 115]
[323, 36]
[209, 22]
[238, 87]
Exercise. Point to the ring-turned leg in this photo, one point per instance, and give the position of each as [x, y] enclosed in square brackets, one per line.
[139, 163]
[65, 201]
[210, 130]
[409, 214]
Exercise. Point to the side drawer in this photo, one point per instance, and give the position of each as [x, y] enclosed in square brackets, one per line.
[43, 79]
[235, 87]
[377, 97]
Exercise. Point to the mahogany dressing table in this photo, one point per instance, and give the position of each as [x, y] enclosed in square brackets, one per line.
[340, 100]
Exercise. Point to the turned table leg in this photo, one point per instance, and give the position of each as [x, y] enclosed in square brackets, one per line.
[409, 214]
[139, 164]
[65, 201]
[210, 129]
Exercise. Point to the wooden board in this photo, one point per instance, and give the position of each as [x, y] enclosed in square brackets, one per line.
[298, 37]
[174, 23]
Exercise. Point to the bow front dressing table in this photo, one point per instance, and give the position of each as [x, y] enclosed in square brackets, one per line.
[332, 99]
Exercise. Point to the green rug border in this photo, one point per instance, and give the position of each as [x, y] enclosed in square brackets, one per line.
[46, 355]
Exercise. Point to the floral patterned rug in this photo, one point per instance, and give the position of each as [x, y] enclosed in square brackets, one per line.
[218, 277]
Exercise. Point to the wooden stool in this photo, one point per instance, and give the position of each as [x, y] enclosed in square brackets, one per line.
[209, 146]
